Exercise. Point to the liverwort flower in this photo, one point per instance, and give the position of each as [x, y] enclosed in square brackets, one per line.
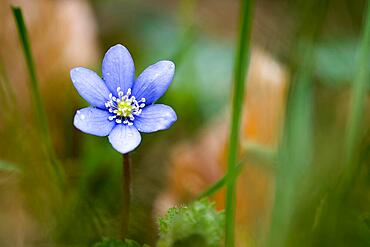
[122, 106]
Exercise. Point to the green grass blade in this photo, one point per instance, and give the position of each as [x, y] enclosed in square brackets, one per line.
[295, 156]
[253, 152]
[8, 98]
[219, 184]
[37, 103]
[241, 66]
[359, 91]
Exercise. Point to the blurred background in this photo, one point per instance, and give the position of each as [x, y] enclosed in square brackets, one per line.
[293, 141]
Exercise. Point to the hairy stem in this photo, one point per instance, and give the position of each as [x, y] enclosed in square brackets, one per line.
[126, 193]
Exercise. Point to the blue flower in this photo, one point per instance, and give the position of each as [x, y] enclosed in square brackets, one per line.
[121, 106]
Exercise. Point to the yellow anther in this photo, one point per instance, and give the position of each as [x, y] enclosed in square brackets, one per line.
[124, 108]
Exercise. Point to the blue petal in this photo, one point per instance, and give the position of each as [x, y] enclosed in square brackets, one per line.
[118, 69]
[124, 138]
[155, 117]
[93, 121]
[90, 86]
[154, 81]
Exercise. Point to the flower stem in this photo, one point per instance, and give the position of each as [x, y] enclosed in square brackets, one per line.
[126, 193]
[241, 64]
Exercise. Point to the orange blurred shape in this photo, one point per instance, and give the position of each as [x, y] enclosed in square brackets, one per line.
[196, 166]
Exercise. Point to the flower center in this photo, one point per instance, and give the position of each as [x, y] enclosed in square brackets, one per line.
[124, 107]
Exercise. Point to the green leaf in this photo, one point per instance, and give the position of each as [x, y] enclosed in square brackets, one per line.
[197, 224]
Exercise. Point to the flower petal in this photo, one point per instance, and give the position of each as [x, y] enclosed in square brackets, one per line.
[155, 117]
[93, 121]
[154, 81]
[118, 69]
[124, 138]
[90, 86]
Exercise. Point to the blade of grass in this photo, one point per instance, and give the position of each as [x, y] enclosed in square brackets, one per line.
[241, 67]
[259, 153]
[359, 90]
[36, 98]
[219, 184]
[296, 151]
[8, 97]
[339, 198]
[294, 156]
[254, 152]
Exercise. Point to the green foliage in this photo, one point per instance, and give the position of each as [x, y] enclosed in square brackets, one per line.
[197, 224]
[107, 242]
